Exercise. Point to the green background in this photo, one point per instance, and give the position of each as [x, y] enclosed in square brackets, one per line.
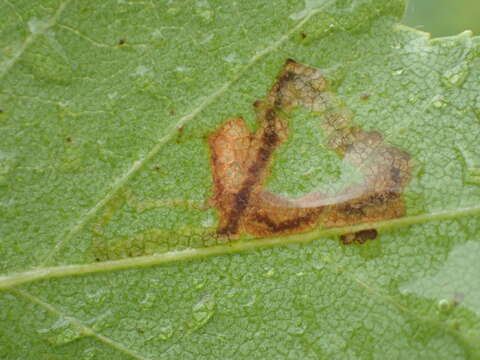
[444, 17]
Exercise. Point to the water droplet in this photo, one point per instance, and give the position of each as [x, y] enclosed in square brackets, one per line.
[141, 70]
[398, 72]
[297, 329]
[231, 292]
[418, 46]
[207, 39]
[231, 58]
[251, 301]
[182, 69]
[148, 300]
[207, 15]
[438, 102]
[208, 220]
[465, 34]
[270, 273]
[456, 76]
[472, 163]
[203, 311]
[165, 330]
[456, 281]
[443, 305]
[37, 26]
[98, 295]
[102, 321]
[63, 331]
[199, 284]
[173, 11]
[89, 354]
[412, 99]
[204, 10]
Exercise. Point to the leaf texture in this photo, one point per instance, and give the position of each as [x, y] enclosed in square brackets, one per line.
[109, 240]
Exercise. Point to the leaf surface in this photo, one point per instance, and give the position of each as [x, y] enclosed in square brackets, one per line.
[107, 231]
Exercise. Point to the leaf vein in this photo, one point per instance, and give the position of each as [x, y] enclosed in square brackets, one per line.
[79, 324]
[9, 63]
[12, 280]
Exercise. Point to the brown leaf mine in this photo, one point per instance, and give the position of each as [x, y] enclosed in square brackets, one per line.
[240, 162]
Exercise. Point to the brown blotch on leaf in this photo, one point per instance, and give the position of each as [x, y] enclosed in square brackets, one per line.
[68, 139]
[365, 97]
[303, 35]
[359, 237]
[240, 162]
[122, 42]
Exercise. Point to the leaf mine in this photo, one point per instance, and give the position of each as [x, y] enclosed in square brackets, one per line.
[240, 164]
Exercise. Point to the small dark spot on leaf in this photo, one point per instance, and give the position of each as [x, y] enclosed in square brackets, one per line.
[156, 168]
[172, 112]
[303, 35]
[68, 139]
[97, 259]
[179, 134]
[257, 103]
[456, 324]
[365, 97]
[121, 42]
[360, 237]
[1, 111]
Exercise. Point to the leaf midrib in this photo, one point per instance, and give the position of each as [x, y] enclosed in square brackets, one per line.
[274, 241]
[42, 273]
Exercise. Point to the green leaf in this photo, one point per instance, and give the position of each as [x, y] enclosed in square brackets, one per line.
[108, 247]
